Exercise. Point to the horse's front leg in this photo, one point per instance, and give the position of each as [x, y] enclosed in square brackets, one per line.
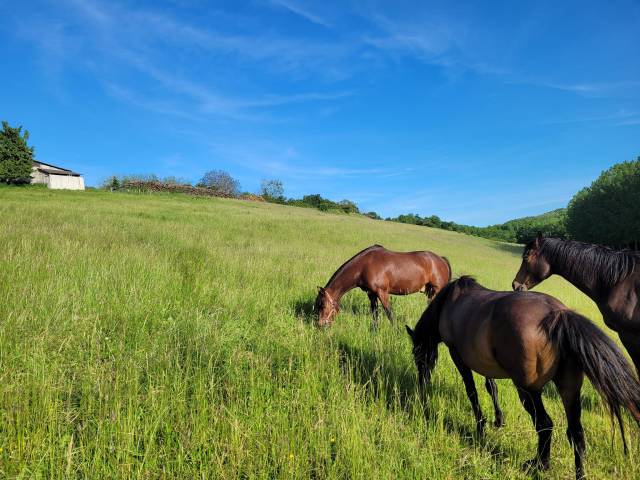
[492, 388]
[386, 304]
[472, 393]
[373, 298]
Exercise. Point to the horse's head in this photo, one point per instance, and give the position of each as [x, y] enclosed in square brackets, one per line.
[326, 306]
[426, 336]
[534, 268]
[425, 355]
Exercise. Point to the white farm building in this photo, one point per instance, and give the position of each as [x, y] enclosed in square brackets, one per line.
[56, 177]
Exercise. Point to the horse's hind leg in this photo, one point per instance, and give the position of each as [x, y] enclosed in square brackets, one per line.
[373, 298]
[492, 388]
[472, 393]
[569, 382]
[532, 402]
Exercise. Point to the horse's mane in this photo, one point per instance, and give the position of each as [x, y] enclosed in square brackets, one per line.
[465, 281]
[603, 263]
[428, 321]
[335, 274]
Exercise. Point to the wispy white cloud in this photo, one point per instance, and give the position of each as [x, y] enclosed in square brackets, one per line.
[622, 89]
[603, 88]
[270, 157]
[108, 37]
[620, 117]
[432, 39]
[286, 54]
[125, 95]
[630, 121]
[301, 11]
[205, 101]
[458, 45]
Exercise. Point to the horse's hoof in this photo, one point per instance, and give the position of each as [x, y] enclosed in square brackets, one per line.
[535, 464]
[499, 423]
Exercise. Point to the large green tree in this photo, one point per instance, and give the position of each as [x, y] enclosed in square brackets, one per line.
[607, 211]
[16, 157]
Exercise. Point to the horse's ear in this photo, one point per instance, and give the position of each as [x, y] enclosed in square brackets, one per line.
[409, 331]
[320, 289]
[537, 240]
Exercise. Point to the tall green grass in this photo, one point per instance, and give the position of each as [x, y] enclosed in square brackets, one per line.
[153, 336]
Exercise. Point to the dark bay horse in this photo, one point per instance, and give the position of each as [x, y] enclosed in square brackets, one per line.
[609, 277]
[380, 272]
[532, 339]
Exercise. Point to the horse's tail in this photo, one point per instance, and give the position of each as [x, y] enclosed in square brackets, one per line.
[600, 359]
[446, 260]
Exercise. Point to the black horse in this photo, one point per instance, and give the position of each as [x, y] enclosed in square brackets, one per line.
[609, 277]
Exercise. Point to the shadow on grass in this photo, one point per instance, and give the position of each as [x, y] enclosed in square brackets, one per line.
[305, 309]
[588, 402]
[508, 247]
[399, 387]
[356, 308]
[386, 381]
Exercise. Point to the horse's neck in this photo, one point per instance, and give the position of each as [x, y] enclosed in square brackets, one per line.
[341, 284]
[585, 283]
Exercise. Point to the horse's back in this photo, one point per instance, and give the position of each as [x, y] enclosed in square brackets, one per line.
[420, 258]
[498, 334]
[525, 308]
[403, 272]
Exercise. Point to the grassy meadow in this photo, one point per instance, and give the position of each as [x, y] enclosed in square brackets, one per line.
[160, 336]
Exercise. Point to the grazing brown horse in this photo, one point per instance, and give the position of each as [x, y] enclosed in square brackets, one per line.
[532, 339]
[380, 272]
[609, 277]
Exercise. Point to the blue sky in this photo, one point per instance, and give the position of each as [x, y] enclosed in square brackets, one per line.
[478, 112]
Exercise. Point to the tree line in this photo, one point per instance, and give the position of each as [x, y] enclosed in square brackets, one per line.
[606, 212]
[519, 230]
[221, 183]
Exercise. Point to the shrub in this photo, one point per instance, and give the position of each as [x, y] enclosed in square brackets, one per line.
[272, 190]
[221, 182]
[16, 157]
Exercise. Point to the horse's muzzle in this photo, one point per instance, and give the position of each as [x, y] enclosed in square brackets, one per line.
[518, 287]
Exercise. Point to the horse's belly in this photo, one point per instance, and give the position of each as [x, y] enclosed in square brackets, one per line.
[407, 286]
[489, 369]
[485, 364]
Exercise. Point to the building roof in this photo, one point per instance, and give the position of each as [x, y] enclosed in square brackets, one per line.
[54, 170]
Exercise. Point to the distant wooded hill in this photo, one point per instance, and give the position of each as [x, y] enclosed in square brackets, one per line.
[519, 230]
